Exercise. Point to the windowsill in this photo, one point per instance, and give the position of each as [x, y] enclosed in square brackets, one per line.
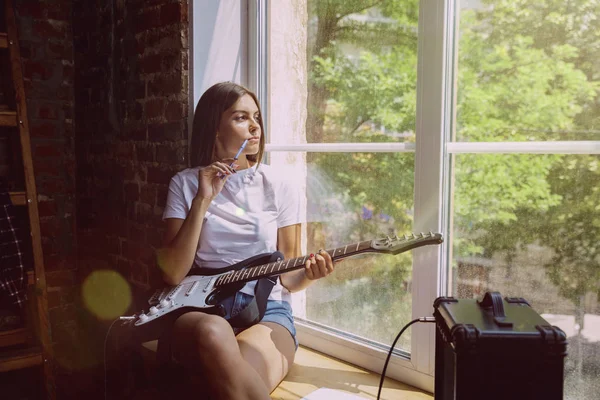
[313, 370]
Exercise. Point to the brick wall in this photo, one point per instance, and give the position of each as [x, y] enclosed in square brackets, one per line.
[131, 113]
[107, 93]
[131, 80]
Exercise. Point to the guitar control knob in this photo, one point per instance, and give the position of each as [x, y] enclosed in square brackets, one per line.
[153, 310]
[164, 303]
[143, 317]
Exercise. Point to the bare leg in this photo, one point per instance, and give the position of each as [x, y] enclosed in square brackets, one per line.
[270, 349]
[250, 370]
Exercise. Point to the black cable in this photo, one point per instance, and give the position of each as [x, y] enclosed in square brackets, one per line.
[421, 319]
[124, 318]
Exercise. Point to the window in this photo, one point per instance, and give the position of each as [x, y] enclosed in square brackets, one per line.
[342, 81]
[525, 215]
[478, 119]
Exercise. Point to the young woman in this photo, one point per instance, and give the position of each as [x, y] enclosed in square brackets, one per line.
[217, 215]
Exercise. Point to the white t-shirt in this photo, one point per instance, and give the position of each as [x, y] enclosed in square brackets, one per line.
[242, 220]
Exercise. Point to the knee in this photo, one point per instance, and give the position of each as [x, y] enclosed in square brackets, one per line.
[211, 335]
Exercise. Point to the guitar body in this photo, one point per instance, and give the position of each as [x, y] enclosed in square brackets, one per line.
[194, 293]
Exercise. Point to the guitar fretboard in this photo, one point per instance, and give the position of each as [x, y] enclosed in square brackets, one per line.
[279, 267]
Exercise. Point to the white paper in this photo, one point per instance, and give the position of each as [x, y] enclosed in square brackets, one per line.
[331, 394]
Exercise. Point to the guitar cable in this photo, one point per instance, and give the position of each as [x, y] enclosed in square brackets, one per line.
[123, 318]
[421, 319]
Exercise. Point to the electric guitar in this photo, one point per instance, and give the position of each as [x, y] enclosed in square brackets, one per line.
[203, 292]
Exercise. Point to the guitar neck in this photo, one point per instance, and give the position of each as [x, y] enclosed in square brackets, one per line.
[279, 267]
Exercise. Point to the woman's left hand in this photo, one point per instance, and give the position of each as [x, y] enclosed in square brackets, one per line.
[318, 265]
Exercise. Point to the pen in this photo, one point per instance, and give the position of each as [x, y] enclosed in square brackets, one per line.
[237, 155]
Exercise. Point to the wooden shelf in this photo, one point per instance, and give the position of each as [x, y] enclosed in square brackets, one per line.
[13, 337]
[18, 198]
[8, 118]
[3, 40]
[20, 358]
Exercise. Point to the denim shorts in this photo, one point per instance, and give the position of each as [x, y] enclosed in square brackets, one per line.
[279, 312]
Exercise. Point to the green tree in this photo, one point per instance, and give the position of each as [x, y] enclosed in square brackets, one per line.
[551, 75]
[527, 71]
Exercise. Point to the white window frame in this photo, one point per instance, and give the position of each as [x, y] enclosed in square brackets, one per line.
[438, 22]
[430, 159]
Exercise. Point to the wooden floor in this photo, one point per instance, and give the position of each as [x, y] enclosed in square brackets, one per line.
[313, 371]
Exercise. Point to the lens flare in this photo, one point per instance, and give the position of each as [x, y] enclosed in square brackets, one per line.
[106, 294]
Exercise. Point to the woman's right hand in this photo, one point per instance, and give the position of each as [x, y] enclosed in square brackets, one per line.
[212, 178]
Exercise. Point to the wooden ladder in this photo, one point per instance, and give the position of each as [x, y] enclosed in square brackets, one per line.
[30, 346]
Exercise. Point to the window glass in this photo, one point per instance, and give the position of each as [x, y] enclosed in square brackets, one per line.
[354, 197]
[529, 226]
[528, 70]
[362, 58]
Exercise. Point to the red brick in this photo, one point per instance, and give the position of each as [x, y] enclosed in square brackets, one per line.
[48, 111]
[174, 155]
[124, 150]
[148, 19]
[139, 273]
[33, 9]
[59, 50]
[45, 130]
[170, 131]
[160, 175]
[148, 194]
[50, 29]
[154, 108]
[173, 13]
[54, 298]
[47, 208]
[161, 195]
[174, 111]
[47, 150]
[48, 166]
[163, 85]
[151, 64]
[61, 12]
[132, 192]
[49, 226]
[61, 278]
[144, 152]
[36, 70]
[51, 187]
[133, 172]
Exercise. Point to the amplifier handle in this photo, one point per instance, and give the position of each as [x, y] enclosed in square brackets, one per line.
[494, 300]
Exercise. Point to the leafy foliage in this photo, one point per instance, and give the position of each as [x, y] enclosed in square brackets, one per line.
[528, 70]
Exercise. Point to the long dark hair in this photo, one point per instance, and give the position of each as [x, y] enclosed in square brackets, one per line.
[207, 118]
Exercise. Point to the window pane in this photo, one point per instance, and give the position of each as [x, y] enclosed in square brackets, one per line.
[529, 226]
[361, 71]
[528, 70]
[353, 197]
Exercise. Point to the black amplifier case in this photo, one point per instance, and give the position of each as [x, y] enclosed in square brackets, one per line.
[496, 349]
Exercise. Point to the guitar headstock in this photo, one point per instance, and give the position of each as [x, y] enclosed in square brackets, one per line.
[399, 244]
